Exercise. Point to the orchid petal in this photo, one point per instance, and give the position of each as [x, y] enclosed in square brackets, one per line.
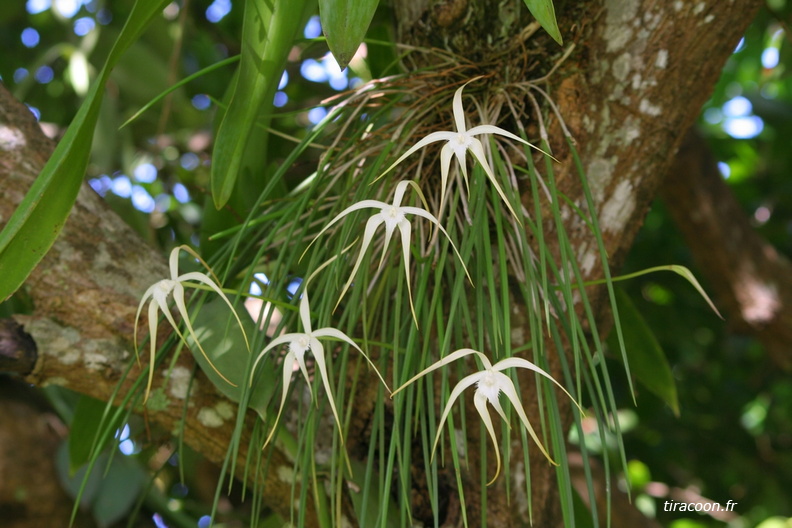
[288, 361]
[178, 296]
[478, 152]
[338, 334]
[511, 393]
[301, 358]
[445, 164]
[406, 234]
[459, 112]
[146, 295]
[492, 129]
[516, 362]
[363, 204]
[153, 321]
[318, 353]
[368, 234]
[202, 278]
[286, 338]
[305, 313]
[431, 138]
[429, 216]
[480, 401]
[463, 384]
[450, 358]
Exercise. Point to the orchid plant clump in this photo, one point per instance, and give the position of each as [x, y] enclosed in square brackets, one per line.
[490, 381]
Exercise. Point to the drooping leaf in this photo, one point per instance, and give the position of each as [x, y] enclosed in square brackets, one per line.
[345, 23]
[544, 13]
[648, 362]
[268, 31]
[38, 220]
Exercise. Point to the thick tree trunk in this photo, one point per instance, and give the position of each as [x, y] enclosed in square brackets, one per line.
[632, 85]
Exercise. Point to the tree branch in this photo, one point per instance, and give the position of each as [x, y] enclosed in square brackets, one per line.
[85, 293]
[751, 280]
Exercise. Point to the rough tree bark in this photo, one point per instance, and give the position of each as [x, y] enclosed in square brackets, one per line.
[631, 87]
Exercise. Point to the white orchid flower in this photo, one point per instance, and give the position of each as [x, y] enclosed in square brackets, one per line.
[458, 144]
[299, 344]
[159, 293]
[490, 382]
[393, 216]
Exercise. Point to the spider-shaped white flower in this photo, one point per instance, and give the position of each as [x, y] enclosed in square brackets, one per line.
[159, 293]
[299, 344]
[458, 144]
[490, 382]
[393, 216]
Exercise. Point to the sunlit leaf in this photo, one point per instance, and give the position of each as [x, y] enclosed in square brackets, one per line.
[544, 13]
[268, 31]
[345, 23]
[38, 220]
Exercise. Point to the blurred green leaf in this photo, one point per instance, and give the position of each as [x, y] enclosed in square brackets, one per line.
[88, 415]
[544, 13]
[120, 489]
[345, 23]
[648, 363]
[38, 220]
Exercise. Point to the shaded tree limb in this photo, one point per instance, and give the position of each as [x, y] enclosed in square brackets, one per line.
[751, 280]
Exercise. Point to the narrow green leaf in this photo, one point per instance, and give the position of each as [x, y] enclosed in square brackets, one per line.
[648, 363]
[543, 12]
[682, 271]
[38, 220]
[268, 31]
[345, 23]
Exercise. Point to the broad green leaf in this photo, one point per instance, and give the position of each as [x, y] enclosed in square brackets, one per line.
[345, 23]
[648, 363]
[38, 220]
[88, 414]
[218, 330]
[268, 32]
[543, 12]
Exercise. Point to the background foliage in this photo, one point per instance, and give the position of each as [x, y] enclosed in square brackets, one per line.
[155, 173]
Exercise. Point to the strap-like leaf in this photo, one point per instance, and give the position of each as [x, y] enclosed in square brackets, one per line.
[543, 12]
[345, 23]
[268, 32]
[38, 220]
